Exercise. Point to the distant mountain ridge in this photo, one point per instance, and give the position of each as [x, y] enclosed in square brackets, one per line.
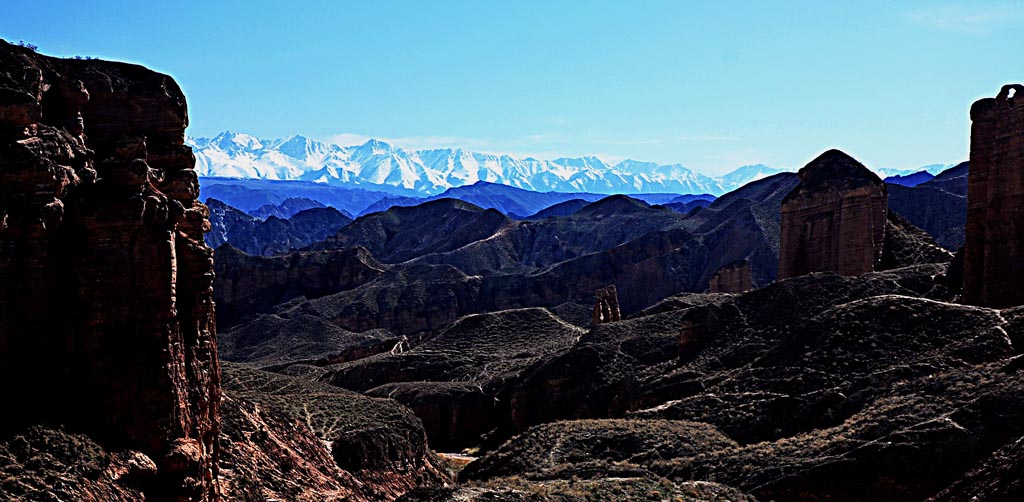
[377, 165]
[520, 203]
[286, 209]
[910, 180]
[261, 198]
[274, 235]
[938, 206]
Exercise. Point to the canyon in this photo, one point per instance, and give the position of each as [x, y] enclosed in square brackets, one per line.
[819, 335]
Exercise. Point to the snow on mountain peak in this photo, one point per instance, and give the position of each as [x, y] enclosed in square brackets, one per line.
[376, 147]
[745, 174]
[301, 147]
[582, 162]
[228, 140]
[379, 165]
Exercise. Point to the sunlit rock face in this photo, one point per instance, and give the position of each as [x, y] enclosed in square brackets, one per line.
[834, 220]
[994, 249]
[106, 298]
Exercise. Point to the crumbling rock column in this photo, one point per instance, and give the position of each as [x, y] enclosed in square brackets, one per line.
[732, 278]
[994, 248]
[834, 220]
[606, 306]
[106, 285]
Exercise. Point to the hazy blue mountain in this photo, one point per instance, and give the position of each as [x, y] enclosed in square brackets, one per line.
[910, 180]
[229, 225]
[933, 169]
[937, 206]
[250, 194]
[686, 207]
[286, 208]
[684, 199]
[745, 174]
[517, 202]
[561, 209]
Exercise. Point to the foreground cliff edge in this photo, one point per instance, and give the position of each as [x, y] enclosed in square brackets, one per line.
[107, 328]
[103, 267]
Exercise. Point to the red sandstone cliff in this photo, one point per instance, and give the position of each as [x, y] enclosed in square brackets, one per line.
[732, 278]
[106, 298]
[994, 248]
[834, 220]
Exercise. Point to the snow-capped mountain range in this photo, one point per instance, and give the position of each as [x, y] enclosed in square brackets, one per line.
[381, 166]
[378, 165]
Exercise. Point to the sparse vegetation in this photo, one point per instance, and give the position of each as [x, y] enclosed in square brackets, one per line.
[601, 448]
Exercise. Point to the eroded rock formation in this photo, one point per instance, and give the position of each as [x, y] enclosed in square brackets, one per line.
[606, 306]
[106, 285]
[732, 278]
[994, 248]
[834, 220]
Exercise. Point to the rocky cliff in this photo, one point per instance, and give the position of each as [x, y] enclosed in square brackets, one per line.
[994, 248]
[834, 220]
[732, 278]
[106, 285]
[248, 285]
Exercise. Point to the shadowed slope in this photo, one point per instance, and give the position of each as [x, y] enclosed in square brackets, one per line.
[403, 233]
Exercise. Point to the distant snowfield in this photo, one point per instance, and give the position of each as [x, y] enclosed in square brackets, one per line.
[378, 165]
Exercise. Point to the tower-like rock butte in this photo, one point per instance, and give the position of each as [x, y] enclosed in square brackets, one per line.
[994, 247]
[834, 220]
[606, 306]
[732, 278]
[106, 298]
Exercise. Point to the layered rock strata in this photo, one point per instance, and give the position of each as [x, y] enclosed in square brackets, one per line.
[732, 278]
[994, 248]
[834, 220]
[106, 285]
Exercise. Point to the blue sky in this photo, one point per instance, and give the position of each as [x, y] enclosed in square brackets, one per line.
[711, 85]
